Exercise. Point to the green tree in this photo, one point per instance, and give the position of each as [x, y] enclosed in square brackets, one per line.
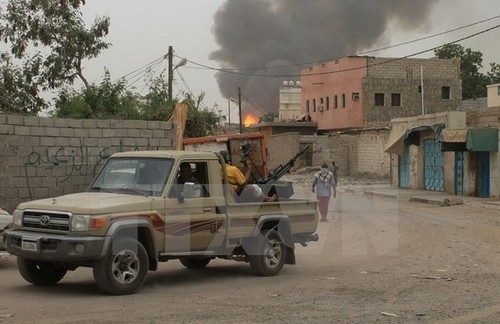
[473, 81]
[18, 87]
[200, 120]
[494, 74]
[56, 29]
[156, 103]
[103, 101]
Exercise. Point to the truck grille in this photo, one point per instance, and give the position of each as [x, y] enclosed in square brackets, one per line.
[49, 220]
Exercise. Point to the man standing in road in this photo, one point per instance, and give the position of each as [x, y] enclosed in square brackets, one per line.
[323, 183]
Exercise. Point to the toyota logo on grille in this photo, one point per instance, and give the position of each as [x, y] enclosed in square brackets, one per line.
[45, 220]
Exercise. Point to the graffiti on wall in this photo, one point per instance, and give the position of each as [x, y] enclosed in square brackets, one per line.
[70, 161]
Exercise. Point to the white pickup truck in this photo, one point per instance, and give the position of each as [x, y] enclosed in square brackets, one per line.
[135, 215]
[5, 220]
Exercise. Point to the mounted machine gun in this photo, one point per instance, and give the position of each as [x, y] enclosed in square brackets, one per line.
[271, 183]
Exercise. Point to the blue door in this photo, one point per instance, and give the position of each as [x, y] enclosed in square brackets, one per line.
[483, 174]
[433, 166]
[404, 168]
[459, 173]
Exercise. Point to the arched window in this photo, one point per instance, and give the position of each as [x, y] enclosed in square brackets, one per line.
[314, 105]
[343, 100]
[335, 102]
[327, 103]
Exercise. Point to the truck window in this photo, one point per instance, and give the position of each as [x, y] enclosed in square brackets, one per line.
[146, 176]
[191, 171]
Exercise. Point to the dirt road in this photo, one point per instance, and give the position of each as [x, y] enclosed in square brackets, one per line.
[379, 260]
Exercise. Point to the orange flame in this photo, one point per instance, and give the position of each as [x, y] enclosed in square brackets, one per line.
[250, 120]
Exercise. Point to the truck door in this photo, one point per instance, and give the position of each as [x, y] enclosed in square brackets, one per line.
[195, 223]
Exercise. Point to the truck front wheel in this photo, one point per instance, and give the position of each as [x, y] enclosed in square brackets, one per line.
[270, 254]
[40, 273]
[124, 270]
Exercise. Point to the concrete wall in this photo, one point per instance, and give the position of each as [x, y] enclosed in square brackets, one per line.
[281, 148]
[494, 95]
[46, 157]
[355, 153]
[484, 118]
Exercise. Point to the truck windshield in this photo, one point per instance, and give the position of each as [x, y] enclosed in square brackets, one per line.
[139, 176]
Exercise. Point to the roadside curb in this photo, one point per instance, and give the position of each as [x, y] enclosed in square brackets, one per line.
[381, 194]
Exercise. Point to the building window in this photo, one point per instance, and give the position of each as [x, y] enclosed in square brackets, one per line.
[321, 106]
[396, 99]
[446, 93]
[419, 89]
[343, 100]
[314, 105]
[327, 103]
[335, 102]
[379, 99]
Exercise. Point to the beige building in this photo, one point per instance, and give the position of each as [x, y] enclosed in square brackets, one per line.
[494, 95]
[290, 100]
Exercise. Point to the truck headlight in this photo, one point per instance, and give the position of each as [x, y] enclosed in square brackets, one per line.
[17, 217]
[80, 223]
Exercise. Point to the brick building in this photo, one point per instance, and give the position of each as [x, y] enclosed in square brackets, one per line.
[366, 92]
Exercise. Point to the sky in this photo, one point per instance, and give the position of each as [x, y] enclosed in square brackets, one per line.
[266, 34]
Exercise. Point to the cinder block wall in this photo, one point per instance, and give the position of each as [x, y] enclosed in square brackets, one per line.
[46, 157]
[356, 153]
[484, 118]
[281, 148]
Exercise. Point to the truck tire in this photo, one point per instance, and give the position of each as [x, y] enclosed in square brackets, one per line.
[270, 254]
[40, 273]
[124, 270]
[195, 263]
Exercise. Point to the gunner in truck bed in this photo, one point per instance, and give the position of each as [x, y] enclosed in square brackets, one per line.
[238, 182]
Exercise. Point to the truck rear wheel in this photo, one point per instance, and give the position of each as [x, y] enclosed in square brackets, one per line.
[195, 263]
[40, 273]
[270, 254]
[124, 270]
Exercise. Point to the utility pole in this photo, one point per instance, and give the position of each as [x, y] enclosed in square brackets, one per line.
[422, 87]
[239, 108]
[170, 72]
[229, 111]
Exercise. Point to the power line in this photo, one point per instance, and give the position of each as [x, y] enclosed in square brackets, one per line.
[189, 89]
[139, 76]
[259, 110]
[144, 67]
[151, 77]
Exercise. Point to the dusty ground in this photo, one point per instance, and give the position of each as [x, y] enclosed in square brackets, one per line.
[379, 260]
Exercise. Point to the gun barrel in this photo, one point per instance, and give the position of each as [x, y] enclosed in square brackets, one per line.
[281, 170]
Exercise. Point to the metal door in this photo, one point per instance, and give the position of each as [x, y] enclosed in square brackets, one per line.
[433, 166]
[404, 168]
[459, 173]
[483, 174]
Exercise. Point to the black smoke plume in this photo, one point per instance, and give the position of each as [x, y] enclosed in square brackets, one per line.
[256, 36]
